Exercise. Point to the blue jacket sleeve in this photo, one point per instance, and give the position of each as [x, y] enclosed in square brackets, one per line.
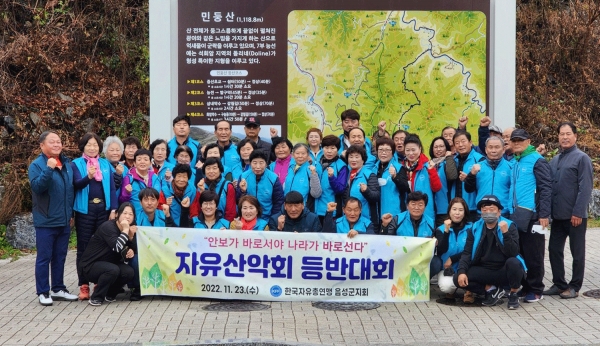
[40, 179]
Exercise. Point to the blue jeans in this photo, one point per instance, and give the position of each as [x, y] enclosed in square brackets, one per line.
[52, 245]
[435, 266]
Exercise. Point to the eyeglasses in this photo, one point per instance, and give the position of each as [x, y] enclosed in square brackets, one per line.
[208, 204]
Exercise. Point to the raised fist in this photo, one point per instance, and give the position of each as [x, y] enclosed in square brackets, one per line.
[280, 222]
[119, 169]
[170, 200]
[503, 226]
[381, 126]
[273, 131]
[462, 122]
[91, 171]
[331, 207]
[462, 176]
[52, 162]
[386, 219]
[168, 175]
[475, 169]
[447, 224]
[236, 223]
[392, 171]
[128, 188]
[312, 169]
[363, 187]
[166, 210]
[185, 202]
[330, 171]
[485, 121]
[201, 185]
[199, 164]
[243, 185]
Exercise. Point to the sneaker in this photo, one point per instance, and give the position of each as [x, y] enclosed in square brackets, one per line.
[469, 297]
[522, 293]
[553, 291]
[532, 297]
[492, 297]
[84, 292]
[513, 301]
[45, 299]
[94, 302]
[136, 295]
[64, 295]
[110, 299]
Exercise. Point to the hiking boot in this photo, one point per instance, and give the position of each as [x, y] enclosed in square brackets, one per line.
[469, 297]
[569, 293]
[45, 299]
[553, 291]
[532, 297]
[513, 301]
[64, 295]
[94, 302]
[84, 292]
[493, 296]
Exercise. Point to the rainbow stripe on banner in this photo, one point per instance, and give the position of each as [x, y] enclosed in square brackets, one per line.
[278, 266]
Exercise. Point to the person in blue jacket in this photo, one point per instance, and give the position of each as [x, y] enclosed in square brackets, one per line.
[231, 158]
[161, 167]
[250, 214]
[295, 217]
[263, 184]
[185, 156]
[451, 238]
[350, 120]
[334, 177]
[413, 223]
[51, 180]
[352, 222]
[208, 151]
[465, 158]
[362, 183]
[389, 176]
[179, 195]
[303, 176]
[95, 197]
[440, 153]
[210, 217]
[492, 176]
[181, 129]
[357, 137]
[491, 260]
[113, 151]
[139, 177]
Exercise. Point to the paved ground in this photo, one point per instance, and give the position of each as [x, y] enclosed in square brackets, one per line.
[183, 321]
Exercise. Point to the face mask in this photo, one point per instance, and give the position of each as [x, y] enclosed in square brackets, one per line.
[489, 218]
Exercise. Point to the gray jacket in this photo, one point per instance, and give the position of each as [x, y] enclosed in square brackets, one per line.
[572, 183]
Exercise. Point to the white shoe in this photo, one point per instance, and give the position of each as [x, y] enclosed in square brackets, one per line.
[45, 299]
[64, 295]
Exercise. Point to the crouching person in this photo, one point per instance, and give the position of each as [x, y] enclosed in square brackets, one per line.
[351, 223]
[104, 259]
[491, 257]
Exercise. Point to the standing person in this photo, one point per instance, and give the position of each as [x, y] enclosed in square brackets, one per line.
[181, 129]
[245, 148]
[571, 190]
[250, 214]
[531, 193]
[282, 149]
[179, 195]
[399, 136]
[95, 198]
[508, 153]
[230, 154]
[441, 156]
[132, 145]
[314, 136]
[491, 260]
[492, 176]
[138, 178]
[252, 129]
[214, 180]
[214, 150]
[391, 177]
[422, 174]
[362, 184]
[104, 260]
[210, 217]
[448, 133]
[357, 137]
[350, 120]
[303, 176]
[113, 151]
[162, 168]
[334, 177]
[185, 156]
[263, 184]
[51, 179]
[380, 133]
[465, 158]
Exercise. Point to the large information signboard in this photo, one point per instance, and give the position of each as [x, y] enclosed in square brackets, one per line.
[418, 65]
[283, 266]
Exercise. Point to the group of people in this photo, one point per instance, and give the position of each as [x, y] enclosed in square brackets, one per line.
[487, 205]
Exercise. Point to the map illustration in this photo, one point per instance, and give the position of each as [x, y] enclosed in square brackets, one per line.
[418, 70]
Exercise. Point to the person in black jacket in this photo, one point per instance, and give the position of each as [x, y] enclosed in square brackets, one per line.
[491, 257]
[104, 259]
[295, 217]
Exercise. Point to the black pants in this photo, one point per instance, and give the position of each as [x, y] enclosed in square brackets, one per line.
[511, 274]
[85, 226]
[532, 247]
[561, 229]
[108, 277]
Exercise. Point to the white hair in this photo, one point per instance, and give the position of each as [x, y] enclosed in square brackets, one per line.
[110, 140]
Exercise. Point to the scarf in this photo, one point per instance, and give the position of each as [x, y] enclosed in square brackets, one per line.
[281, 168]
[326, 163]
[353, 174]
[530, 150]
[212, 185]
[93, 162]
[177, 192]
[248, 225]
